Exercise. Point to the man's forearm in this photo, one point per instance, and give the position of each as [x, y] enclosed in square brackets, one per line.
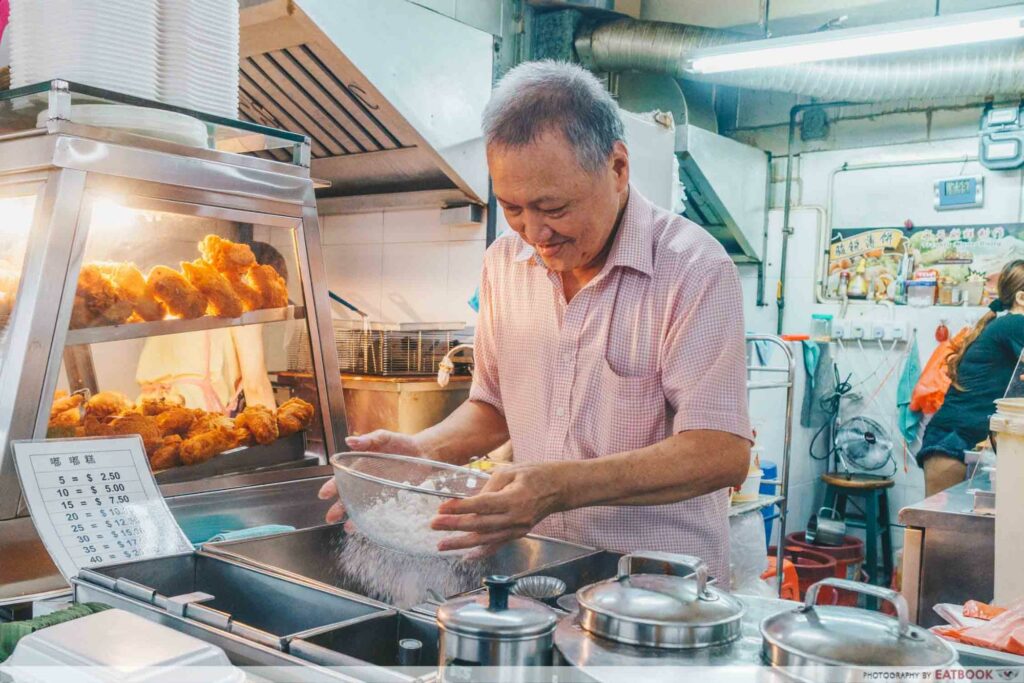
[474, 428]
[683, 466]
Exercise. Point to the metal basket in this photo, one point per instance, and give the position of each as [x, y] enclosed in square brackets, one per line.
[385, 349]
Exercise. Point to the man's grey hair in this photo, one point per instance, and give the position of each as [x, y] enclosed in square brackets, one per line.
[537, 97]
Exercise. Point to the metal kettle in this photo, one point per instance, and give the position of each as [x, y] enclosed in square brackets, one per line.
[495, 630]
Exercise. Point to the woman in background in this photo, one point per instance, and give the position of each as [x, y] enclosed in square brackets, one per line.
[980, 371]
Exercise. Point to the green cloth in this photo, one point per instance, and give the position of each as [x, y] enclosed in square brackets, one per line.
[12, 632]
[909, 420]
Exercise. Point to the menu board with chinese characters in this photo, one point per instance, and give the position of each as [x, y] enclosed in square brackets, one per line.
[965, 259]
[95, 502]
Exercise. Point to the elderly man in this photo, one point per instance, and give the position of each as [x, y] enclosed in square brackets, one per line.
[609, 346]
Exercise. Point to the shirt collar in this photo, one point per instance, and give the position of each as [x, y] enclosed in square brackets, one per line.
[633, 246]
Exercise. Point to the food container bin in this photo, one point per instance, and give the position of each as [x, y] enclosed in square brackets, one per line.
[920, 293]
[208, 596]
[821, 327]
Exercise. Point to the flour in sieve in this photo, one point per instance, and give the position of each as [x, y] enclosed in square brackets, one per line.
[401, 520]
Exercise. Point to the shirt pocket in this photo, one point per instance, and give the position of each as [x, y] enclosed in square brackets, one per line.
[633, 339]
[632, 411]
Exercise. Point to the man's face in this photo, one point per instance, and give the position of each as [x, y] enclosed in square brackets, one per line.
[564, 212]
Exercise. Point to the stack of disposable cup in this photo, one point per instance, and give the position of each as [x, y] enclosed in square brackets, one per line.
[199, 55]
[110, 44]
[1008, 424]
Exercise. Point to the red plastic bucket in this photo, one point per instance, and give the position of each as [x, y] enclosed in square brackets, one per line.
[849, 559]
[811, 567]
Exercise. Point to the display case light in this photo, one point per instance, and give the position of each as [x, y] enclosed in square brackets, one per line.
[905, 36]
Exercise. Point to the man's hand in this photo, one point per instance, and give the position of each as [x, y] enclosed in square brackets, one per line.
[515, 499]
[380, 441]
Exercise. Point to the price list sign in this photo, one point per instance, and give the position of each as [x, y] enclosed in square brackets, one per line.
[94, 502]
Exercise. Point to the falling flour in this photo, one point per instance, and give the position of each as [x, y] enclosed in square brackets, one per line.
[400, 519]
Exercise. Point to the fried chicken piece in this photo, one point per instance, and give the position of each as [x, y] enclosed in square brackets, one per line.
[206, 422]
[129, 279]
[176, 293]
[97, 300]
[205, 445]
[64, 423]
[106, 404]
[176, 420]
[94, 426]
[271, 286]
[71, 417]
[168, 455]
[293, 416]
[62, 402]
[225, 255]
[260, 422]
[222, 301]
[251, 298]
[154, 405]
[146, 427]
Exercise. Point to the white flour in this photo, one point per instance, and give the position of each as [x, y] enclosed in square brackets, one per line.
[400, 520]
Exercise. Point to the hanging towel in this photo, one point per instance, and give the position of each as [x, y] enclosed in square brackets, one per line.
[762, 352]
[818, 365]
[909, 419]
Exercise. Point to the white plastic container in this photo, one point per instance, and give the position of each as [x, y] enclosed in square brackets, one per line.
[1008, 424]
[117, 646]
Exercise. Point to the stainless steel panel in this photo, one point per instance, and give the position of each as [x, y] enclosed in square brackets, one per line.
[26, 570]
[36, 333]
[328, 557]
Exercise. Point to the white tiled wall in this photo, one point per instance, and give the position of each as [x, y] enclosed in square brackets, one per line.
[404, 265]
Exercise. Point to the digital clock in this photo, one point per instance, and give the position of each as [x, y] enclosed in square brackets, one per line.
[966, 192]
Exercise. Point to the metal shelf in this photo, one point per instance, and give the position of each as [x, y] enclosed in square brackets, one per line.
[753, 386]
[98, 335]
[762, 502]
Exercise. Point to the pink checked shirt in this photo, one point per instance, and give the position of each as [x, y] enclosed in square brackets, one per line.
[650, 347]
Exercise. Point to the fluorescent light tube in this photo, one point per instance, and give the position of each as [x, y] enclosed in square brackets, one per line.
[956, 29]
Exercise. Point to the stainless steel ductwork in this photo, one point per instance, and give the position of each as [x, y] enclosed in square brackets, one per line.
[970, 71]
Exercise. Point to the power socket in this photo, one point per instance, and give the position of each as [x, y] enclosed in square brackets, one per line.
[840, 328]
[856, 329]
[876, 330]
[899, 331]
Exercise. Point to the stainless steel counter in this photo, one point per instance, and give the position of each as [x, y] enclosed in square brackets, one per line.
[28, 573]
[948, 551]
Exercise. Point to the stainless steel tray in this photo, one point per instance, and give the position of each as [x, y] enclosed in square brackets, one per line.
[328, 558]
[287, 452]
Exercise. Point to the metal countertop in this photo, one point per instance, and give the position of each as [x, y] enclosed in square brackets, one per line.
[951, 509]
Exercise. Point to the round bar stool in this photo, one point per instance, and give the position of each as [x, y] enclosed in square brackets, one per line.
[872, 490]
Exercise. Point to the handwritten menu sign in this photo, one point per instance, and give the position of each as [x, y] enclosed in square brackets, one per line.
[95, 502]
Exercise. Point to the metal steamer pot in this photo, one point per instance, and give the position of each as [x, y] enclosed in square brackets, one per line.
[675, 610]
[495, 630]
[848, 644]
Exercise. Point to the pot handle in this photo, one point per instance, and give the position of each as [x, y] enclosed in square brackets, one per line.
[887, 594]
[671, 564]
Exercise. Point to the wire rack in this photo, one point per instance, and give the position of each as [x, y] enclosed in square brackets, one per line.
[381, 348]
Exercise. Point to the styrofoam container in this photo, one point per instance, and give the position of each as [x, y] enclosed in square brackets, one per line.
[115, 645]
[751, 488]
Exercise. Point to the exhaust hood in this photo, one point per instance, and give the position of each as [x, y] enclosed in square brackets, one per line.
[389, 93]
[726, 189]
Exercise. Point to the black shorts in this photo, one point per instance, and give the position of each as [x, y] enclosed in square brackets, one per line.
[939, 441]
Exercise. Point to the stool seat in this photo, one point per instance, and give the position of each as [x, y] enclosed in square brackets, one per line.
[857, 481]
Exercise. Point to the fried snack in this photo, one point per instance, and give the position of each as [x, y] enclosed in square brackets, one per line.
[62, 403]
[146, 427]
[154, 405]
[106, 404]
[251, 299]
[206, 422]
[205, 445]
[98, 301]
[168, 455]
[243, 437]
[225, 255]
[129, 279]
[293, 416]
[176, 293]
[64, 423]
[259, 422]
[222, 301]
[94, 426]
[271, 286]
[176, 420]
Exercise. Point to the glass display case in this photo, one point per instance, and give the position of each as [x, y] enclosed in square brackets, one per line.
[152, 285]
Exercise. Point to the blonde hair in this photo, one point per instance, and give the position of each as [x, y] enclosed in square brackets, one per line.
[1011, 281]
